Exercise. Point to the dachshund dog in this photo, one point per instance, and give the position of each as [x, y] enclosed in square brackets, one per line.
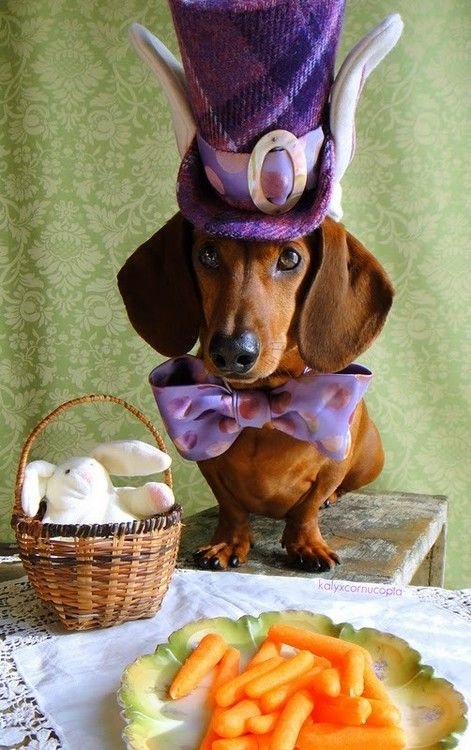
[263, 312]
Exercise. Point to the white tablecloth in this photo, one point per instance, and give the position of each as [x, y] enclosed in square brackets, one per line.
[58, 689]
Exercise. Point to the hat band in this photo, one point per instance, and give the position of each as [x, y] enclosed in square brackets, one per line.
[272, 178]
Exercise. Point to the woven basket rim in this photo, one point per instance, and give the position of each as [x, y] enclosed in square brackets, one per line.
[39, 530]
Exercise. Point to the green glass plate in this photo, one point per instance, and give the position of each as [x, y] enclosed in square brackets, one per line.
[433, 712]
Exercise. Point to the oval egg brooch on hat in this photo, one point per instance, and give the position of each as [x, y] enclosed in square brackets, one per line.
[264, 128]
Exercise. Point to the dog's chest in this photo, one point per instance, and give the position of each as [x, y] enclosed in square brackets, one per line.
[266, 469]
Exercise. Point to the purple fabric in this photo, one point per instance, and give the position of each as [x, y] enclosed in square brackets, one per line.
[204, 417]
[206, 210]
[257, 65]
[253, 66]
[228, 172]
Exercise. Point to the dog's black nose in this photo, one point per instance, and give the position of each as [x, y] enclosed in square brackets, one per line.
[234, 354]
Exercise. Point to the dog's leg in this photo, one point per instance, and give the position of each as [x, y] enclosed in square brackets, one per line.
[367, 460]
[231, 542]
[333, 498]
[302, 538]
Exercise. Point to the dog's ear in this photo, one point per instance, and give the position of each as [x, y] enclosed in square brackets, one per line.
[347, 302]
[158, 290]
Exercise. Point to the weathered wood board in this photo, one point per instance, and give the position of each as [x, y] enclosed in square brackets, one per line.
[382, 537]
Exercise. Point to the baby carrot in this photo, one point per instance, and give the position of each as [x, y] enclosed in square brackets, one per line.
[234, 690]
[373, 687]
[322, 662]
[307, 640]
[262, 724]
[247, 742]
[276, 697]
[383, 713]
[208, 739]
[286, 671]
[345, 709]
[199, 663]
[227, 669]
[290, 721]
[332, 737]
[326, 682]
[264, 741]
[231, 721]
[352, 670]
[210, 735]
[266, 651]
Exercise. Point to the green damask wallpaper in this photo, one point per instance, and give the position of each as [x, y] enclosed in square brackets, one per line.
[88, 166]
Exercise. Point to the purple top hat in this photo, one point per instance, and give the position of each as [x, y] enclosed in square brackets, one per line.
[264, 135]
[255, 68]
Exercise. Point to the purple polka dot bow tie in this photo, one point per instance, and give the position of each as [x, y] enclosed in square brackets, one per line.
[203, 416]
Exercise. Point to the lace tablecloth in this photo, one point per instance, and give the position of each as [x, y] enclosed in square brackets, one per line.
[58, 689]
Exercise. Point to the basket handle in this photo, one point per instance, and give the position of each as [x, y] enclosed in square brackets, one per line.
[92, 398]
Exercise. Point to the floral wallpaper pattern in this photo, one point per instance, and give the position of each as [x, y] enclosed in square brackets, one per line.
[88, 166]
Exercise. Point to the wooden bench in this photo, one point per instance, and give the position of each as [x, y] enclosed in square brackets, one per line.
[393, 538]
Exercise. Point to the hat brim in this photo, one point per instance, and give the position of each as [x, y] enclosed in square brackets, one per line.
[200, 204]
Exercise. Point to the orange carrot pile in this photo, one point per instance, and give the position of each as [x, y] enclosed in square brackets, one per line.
[322, 692]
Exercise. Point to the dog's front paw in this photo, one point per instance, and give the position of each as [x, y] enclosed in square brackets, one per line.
[311, 554]
[222, 555]
[315, 561]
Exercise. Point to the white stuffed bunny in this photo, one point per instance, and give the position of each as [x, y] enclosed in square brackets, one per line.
[80, 490]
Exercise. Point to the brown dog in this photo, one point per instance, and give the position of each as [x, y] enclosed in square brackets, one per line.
[262, 312]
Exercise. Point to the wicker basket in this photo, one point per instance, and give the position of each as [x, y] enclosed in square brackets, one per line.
[98, 575]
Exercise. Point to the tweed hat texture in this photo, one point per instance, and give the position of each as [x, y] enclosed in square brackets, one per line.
[254, 68]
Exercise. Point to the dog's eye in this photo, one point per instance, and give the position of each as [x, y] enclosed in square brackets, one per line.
[209, 257]
[288, 259]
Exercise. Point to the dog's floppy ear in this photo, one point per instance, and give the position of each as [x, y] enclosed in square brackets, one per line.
[157, 287]
[347, 303]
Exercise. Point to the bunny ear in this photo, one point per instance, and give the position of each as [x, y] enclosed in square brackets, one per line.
[34, 485]
[346, 90]
[169, 72]
[128, 458]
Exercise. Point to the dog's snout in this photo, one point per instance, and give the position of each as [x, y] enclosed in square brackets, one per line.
[234, 354]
